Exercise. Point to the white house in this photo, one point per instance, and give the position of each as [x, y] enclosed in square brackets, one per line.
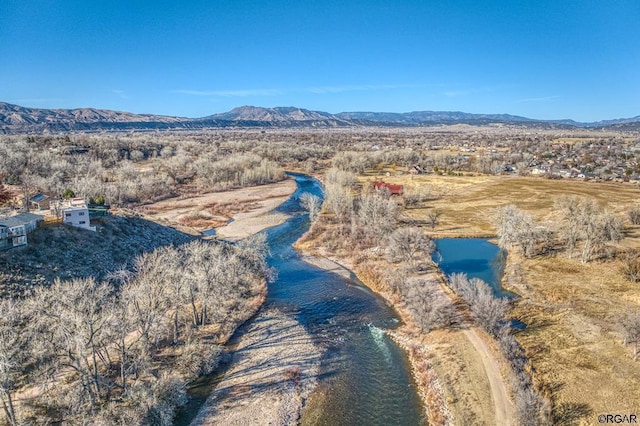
[14, 229]
[76, 213]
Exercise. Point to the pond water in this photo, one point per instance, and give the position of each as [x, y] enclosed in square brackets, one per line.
[365, 377]
[476, 257]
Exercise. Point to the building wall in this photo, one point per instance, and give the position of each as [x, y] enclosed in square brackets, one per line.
[78, 217]
[19, 241]
[4, 239]
[28, 227]
[17, 236]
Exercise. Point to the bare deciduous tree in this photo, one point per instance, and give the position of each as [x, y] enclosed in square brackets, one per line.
[339, 201]
[487, 309]
[634, 215]
[631, 330]
[630, 265]
[517, 228]
[377, 213]
[14, 352]
[311, 203]
[406, 243]
[583, 220]
[70, 322]
[433, 218]
[430, 308]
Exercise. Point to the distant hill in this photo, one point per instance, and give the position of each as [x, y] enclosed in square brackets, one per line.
[17, 119]
[279, 116]
[422, 117]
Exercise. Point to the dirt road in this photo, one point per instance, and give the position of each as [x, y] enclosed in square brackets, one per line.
[504, 410]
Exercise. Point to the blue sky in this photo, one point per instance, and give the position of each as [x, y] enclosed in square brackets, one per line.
[547, 59]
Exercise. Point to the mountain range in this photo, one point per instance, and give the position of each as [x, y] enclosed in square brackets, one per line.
[16, 119]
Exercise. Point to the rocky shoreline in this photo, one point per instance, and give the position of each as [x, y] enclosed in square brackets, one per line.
[268, 379]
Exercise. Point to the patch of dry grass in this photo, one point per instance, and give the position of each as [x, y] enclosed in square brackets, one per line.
[467, 202]
[573, 310]
[574, 339]
[465, 383]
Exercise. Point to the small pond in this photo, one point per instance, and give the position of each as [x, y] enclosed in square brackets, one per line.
[476, 257]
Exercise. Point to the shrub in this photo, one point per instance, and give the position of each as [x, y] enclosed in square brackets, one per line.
[634, 215]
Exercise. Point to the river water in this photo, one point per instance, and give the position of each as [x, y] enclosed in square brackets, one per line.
[365, 378]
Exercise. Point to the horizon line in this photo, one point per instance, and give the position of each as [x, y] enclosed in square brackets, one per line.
[317, 110]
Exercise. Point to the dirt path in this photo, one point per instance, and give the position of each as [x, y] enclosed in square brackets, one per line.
[504, 410]
[273, 370]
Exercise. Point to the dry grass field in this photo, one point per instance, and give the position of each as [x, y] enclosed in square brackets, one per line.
[467, 202]
[573, 310]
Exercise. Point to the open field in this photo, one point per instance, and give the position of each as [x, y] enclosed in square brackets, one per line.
[573, 310]
[467, 202]
[574, 337]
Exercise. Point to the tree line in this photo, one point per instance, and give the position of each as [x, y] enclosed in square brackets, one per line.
[121, 351]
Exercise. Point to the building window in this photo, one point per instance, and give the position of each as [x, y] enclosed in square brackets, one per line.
[67, 215]
[81, 214]
[82, 222]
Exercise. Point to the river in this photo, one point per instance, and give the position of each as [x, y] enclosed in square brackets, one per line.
[365, 377]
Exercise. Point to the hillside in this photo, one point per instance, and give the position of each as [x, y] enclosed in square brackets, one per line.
[15, 119]
[58, 251]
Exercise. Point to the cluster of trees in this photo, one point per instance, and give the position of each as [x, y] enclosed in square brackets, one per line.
[583, 220]
[407, 244]
[109, 165]
[103, 167]
[429, 307]
[517, 228]
[582, 225]
[364, 218]
[369, 219]
[631, 331]
[490, 312]
[121, 351]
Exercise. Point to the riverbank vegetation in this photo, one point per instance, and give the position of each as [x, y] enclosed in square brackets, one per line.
[573, 250]
[363, 227]
[572, 262]
[121, 351]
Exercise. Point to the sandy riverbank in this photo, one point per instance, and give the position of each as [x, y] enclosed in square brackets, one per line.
[274, 368]
[235, 214]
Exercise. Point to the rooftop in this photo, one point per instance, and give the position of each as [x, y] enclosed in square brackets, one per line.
[19, 219]
[38, 197]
